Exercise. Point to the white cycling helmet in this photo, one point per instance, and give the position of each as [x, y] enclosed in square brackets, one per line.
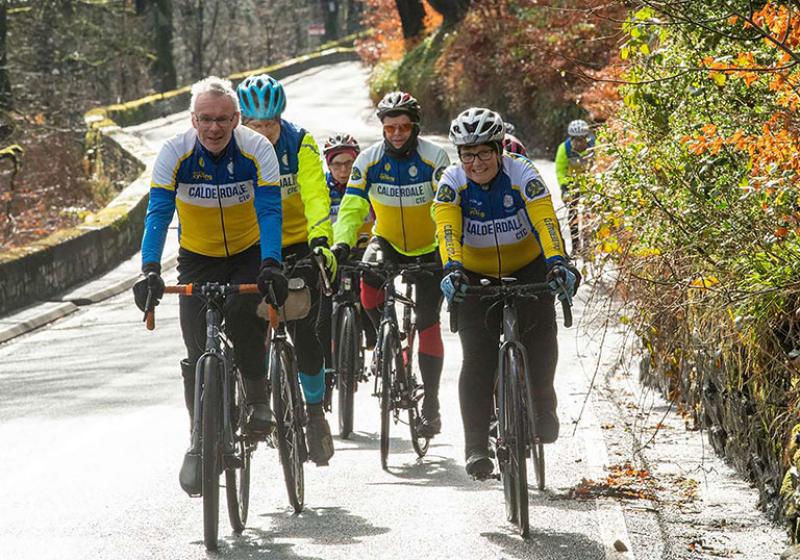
[578, 129]
[476, 126]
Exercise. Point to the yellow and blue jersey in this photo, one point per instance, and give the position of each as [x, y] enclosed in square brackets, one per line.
[225, 204]
[496, 231]
[306, 203]
[401, 193]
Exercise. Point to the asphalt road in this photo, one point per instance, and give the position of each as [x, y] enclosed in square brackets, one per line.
[93, 429]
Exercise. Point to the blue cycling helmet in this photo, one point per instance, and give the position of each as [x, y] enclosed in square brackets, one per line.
[261, 97]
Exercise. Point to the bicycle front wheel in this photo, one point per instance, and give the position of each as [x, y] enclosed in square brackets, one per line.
[289, 430]
[211, 371]
[346, 369]
[237, 467]
[515, 437]
[388, 371]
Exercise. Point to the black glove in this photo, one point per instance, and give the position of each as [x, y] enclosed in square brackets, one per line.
[152, 283]
[565, 271]
[271, 274]
[341, 251]
[318, 242]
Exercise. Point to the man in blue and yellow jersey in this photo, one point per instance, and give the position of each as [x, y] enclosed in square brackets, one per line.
[306, 228]
[224, 182]
[495, 219]
[574, 157]
[398, 176]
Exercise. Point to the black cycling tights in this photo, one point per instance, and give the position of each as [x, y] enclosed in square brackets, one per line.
[247, 330]
[480, 335]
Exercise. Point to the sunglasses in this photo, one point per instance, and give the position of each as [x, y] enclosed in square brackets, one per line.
[395, 128]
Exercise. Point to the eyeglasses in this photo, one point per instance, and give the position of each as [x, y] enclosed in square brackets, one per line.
[469, 157]
[205, 121]
[341, 164]
[395, 128]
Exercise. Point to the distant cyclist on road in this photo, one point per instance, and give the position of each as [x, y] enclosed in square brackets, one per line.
[306, 228]
[223, 180]
[340, 152]
[495, 219]
[574, 157]
[512, 144]
[398, 176]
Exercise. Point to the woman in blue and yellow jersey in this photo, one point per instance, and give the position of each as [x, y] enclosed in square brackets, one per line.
[398, 176]
[495, 218]
[306, 228]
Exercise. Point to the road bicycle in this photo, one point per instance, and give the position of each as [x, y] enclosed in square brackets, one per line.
[218, 424]
[395, 382]
[348, 347]
[513, 436]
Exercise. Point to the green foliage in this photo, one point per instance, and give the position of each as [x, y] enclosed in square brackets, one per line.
[698, 210]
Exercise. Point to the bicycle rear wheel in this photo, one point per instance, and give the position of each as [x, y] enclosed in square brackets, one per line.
[289, 430]
[346, 365]
[237, 467]
[211, 453]
[514, 432]
[388, 371]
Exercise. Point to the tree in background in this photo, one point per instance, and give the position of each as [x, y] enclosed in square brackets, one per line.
[6, 101]
[163, 67]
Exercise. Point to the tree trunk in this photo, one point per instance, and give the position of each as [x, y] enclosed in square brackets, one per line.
[412, 14]
[330, 15]
[163, 69]
[453, 11]
[353, 16]
[5, 80]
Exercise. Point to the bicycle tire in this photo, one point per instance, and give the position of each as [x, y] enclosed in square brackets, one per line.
[237, 475]
[420, 443]
[518, 451]
[537, 461]
[346, 374]
[211, 455]
[289, 431]
[388, 361]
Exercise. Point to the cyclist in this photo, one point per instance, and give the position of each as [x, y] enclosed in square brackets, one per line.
[398, 176]
[495, 219]
[573, 157]
[340, 153]
[512, 144]
[306, 228]
[223, 180]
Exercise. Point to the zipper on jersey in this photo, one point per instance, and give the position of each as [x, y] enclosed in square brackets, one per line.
[221, 216]
[494, 231]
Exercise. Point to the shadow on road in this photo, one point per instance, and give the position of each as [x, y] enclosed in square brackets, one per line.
[435, 471]
[547, 545]
[321, 526]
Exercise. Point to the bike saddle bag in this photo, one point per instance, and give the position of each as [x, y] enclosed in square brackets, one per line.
[298, 304]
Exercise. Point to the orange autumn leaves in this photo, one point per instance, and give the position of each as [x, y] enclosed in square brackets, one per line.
[772, 147]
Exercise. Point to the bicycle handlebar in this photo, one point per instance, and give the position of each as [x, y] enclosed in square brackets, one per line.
[517, 290]
[201, 289]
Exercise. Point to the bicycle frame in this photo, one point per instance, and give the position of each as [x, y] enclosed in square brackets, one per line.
[217, 347]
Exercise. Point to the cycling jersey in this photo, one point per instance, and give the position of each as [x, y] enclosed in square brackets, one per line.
[496, 231]
[306, 203]
[570, 162]
[401, 192]
[222, 202]
[336, 190]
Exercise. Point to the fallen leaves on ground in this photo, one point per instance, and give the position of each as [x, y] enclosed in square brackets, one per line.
[623, 481]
